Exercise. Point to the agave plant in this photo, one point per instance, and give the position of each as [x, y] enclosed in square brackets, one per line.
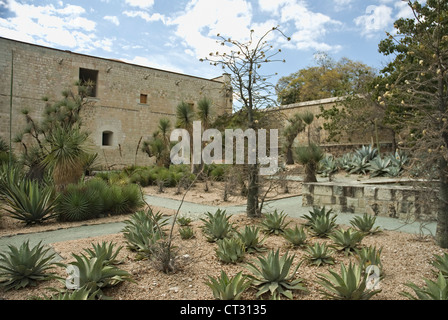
[143, 230]
[274, 223]
[441, 263]
[365, 224]
[432, 291]
[107, 250]
[359, 165]
[28, 201]
[297, 236]
[346, 240]
[321, 222]
[82, 294]
[94, 274]
[225, 288]
[272, 274]
[217, 226]
[25, 266]
[367, 152]
[327, 166]
[370, 256]
[231, 250]
[251, 239]
[319, 254]
[186, 233]
[379, 167]
[349, 284]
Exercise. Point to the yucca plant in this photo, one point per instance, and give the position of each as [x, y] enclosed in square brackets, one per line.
[441, 263]
[297, 236]
[309, 156]
[432, 291]
[107, 250]
[230, 250]
[28, 201]
[365, 224]
[24, 266]
[186, 233]
[94, 274]
[250, 236]
[225, 288]
[217, 226]
[320, 254]
[349, 284]
[273, 274]
[346, 240]
[274, 223]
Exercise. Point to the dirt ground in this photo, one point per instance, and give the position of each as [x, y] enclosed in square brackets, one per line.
[405, 257]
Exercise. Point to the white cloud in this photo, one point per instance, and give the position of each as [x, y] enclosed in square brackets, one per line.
[202, 20]
[377, 19]
[157, 62]
[112, 19]
[309, 27]
[144, 4]
[145, 16]
[53, 26]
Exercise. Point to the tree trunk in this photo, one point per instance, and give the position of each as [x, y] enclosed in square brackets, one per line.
[442, 215]
[252, 209]
[289, 157]
[310, 172]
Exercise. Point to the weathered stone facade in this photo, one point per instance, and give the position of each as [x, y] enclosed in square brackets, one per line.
[127, 106]
[320, 135]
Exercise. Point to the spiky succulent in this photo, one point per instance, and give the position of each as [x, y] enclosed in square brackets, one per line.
[297, 236]
[319, 254]
[434, 290]
[231, 250]
[365, 224]
[250, 236]
[273, 274]
[107, 250]
[225, 288]
[349, 284]
[217, 226]
[274, 223]
[346, 240]
[24, 266]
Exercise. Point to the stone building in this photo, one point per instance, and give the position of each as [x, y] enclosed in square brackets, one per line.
[127, 101]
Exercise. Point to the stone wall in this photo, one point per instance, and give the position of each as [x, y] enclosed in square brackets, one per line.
[129, 102]
[320, 135]
[401, 202]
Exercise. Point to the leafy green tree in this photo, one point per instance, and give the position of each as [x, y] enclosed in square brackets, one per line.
[327, 79]
[415, 82]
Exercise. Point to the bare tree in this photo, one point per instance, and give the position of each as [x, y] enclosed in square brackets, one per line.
[244, 61]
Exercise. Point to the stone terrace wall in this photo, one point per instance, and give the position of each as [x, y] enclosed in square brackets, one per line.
[400, 202]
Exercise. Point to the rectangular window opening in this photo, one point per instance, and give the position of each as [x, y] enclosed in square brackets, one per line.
[144, 98]
[89, 79]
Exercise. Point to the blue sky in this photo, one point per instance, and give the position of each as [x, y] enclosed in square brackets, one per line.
[174, 35]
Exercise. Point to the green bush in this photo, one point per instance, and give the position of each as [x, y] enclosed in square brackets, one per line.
[79, 203]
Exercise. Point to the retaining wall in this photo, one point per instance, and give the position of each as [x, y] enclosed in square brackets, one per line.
[401, 202]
